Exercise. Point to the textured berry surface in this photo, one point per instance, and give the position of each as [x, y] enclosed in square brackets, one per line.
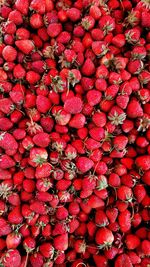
[74, 133]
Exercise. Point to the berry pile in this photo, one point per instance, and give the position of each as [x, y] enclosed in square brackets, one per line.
[74, 133]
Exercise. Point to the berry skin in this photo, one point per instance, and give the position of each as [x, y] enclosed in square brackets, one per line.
[47, 250]
[88, 68]
[9, 53]
[107, 23]
[124, 219]
[132, 241]
[43, 171]
[143, 162]
[134, 109]
[22, 6]
[145, 19]
[41, 139]
[26, 46]
[120, 142]
[84, 164]
[29, 244]
[104, 238]
[11, 258]
[100, 260]
[94, 97]
[145, 247]
[38, 207]
[77, 121]
[54, 29]
[97, 133]
[5, 228]
[61, 242]
[139, 192]
[119, 40]
[38, 155]
[99, 48]
[124, 193]
[36, 260]
[6, 162]
[13, 240]
[145, 177]
[73, 105]
[74, 133]
[15, 216]
[101, 219]
[32, 77]
[43, 104]
[123, 260]
[73, 14]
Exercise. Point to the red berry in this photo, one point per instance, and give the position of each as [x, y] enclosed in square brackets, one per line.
[84, 164]
[104, 237]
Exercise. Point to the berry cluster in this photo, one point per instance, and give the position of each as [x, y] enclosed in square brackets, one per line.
[74, 133]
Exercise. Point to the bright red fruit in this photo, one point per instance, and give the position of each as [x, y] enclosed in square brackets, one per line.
[61, 242]
[84, 164]
[11, 258]
[123, 260]
[104, 237]
[13, 240]
[9, 53]
[74, 133]
[26, 46]
[73, 105]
